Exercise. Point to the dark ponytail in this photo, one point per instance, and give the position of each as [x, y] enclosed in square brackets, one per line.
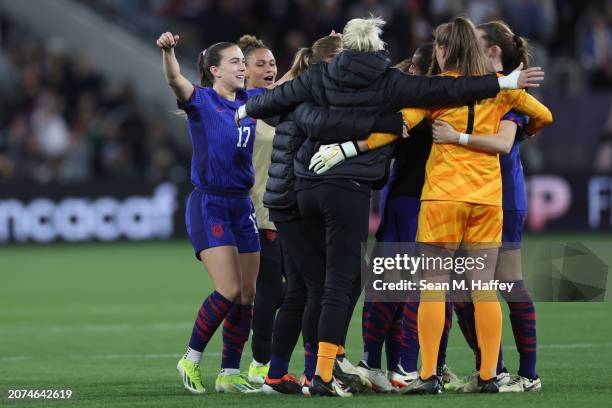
[210, 57]
[514, 48]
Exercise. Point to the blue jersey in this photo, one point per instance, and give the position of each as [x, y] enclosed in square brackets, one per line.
[513, 180]
[222, 159]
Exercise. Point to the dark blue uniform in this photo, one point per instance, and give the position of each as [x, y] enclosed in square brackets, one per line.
[514, 199]
[219, 210]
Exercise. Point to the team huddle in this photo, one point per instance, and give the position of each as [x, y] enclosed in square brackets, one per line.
[283, 172]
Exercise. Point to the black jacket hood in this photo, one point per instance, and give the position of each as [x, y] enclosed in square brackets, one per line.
[358, 69]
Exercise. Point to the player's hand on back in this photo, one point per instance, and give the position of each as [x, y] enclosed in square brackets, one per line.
[443, 132]
[167, 41]
[520, 78]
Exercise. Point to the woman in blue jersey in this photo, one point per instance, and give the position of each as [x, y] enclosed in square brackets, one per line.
[220, 217]
[505, 51]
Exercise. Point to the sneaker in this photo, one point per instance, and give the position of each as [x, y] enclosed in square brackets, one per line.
[431, 385]
[257, 374]
[350, 376]
[504, 378]
[448, 377]
[478, 385]
[191, 376]
[377, 378]
[334, 388]
[233, 384]
[400, 378]
[288, 384]
[522, 384]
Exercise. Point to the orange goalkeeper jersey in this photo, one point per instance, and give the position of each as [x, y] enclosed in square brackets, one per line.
[458, 173]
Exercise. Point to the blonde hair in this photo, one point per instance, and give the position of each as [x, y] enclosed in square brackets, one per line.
[363, 34]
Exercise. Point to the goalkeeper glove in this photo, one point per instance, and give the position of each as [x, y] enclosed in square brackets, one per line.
[331, 155]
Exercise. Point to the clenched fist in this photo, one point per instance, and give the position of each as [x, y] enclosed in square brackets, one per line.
[167, 41]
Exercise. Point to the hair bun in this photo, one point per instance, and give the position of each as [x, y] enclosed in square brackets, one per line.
[248, 40]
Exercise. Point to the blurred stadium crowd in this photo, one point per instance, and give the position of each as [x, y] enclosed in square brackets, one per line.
[61, 120]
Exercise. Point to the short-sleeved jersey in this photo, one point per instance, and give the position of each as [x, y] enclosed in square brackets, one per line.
[457, 173]
[513, 181]
[222, 158]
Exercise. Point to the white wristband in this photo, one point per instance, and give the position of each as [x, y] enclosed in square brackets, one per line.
[242, 112]
[509, 81]
[464, 139]
[349, 150]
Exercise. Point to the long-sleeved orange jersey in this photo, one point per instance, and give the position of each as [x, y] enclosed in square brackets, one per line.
[457, 173]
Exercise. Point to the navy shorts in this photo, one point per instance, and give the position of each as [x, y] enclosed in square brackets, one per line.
[215, 220]
[512, 232]
[400, 220]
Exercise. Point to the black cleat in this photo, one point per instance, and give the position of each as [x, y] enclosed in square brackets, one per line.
[431, 385]
[288, 384]
[488, 386]
[330, 389]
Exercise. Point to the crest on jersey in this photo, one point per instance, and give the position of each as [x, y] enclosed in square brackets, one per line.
[217, 230]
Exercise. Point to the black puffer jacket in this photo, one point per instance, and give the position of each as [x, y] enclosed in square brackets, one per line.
[320, 124]
[364, 83]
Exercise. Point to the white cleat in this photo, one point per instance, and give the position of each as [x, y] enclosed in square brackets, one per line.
[350, 376]
[376, 376]
[522, 384]
[400, 378]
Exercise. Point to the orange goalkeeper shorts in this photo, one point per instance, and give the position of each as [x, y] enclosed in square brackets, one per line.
[449, 223]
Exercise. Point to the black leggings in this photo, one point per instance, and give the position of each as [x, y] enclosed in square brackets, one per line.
[269, 295]
[305, 278]
[338, 220]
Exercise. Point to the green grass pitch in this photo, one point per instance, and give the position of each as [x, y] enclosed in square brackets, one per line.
[109, 321]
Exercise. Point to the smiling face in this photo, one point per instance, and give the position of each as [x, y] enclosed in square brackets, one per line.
[230, 73]
[261, 68]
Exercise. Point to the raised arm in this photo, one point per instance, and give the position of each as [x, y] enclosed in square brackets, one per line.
[500, 142]
[411, 90]
[183, 89]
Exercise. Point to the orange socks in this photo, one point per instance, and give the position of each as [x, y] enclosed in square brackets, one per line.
[341, 351]
[431, 317]
[325, 360]
[488, 316]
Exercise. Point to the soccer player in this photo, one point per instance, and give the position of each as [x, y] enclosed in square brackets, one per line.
[461, 202]
[336, 205]
[504, 51]
[394, 323]
[261, 73]
[220, 217]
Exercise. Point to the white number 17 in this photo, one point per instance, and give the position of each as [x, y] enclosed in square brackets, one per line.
[247, 131]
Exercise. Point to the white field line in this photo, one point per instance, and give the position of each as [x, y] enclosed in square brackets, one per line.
[163, 356]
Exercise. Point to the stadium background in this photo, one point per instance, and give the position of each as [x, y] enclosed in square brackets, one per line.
[94, 175]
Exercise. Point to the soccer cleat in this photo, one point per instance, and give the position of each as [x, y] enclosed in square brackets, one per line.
[477, 385]
[191, 376]
[257, 374]
[306, 383]
[350, 376]
[288, 384]
[522, 384]
[377, 378]
[504, 378]
[330, 389]
[448, 377]
[400, 378]
[233, 384]
[431, 385]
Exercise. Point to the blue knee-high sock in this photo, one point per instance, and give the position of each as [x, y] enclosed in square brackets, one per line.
[376, 320]
[410, 337]
[523, 321]
[212, 312]
[236, 329]
[310, 360]
[393, 341]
